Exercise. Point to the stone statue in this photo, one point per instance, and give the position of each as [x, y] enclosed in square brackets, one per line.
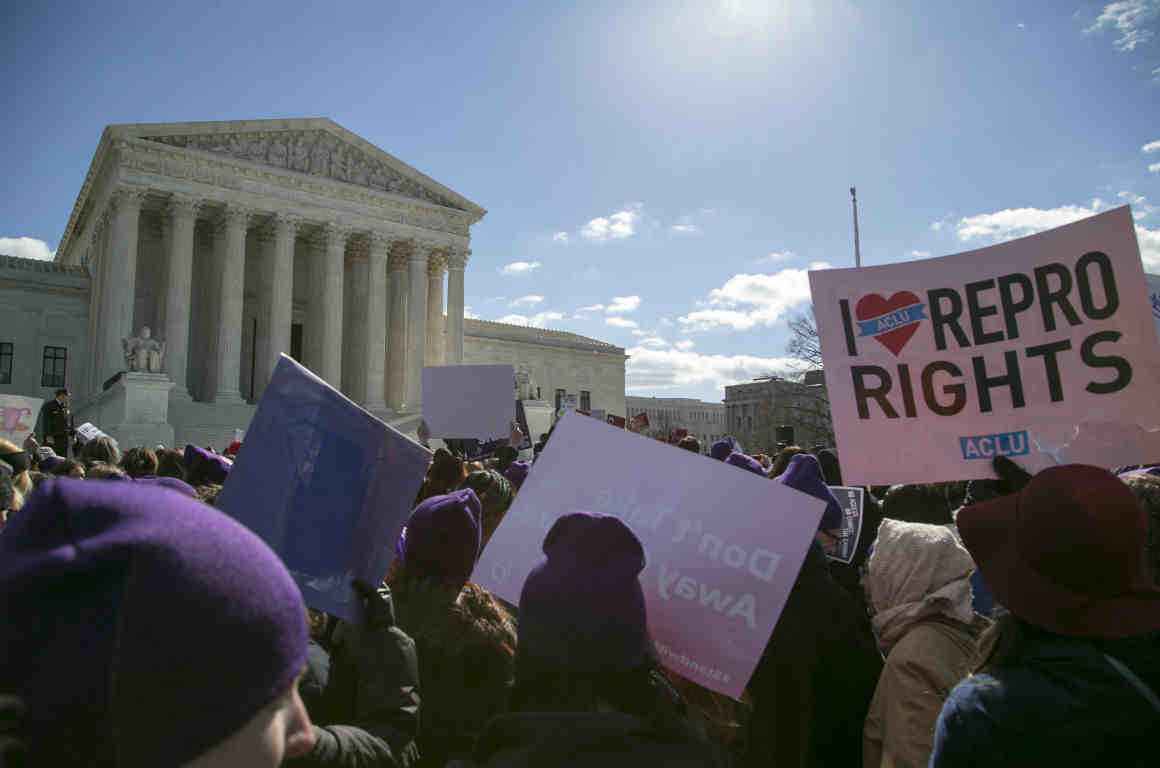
[300, 154]
[320, 159]
[143, 354]
[278, 152]
[525, 385]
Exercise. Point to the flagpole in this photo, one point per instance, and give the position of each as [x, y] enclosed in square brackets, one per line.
[857, 245]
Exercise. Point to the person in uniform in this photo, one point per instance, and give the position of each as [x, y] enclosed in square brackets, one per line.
[55, 422]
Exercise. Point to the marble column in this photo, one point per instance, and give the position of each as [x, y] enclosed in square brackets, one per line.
[278, 305]
[436, 263]
[124, 222]
[456, 264]
[397, 327]
[232, 261]
[330, 315]
[182, 211]
[373, 396]
[416, 324]
[96, 268]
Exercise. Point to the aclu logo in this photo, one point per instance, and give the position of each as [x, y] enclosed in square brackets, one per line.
[990, 446]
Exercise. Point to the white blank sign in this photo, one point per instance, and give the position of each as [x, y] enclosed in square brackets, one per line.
[469, 401]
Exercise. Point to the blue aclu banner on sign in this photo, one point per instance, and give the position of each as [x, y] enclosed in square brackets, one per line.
[990, 446]
[325, 484]
[892, 320]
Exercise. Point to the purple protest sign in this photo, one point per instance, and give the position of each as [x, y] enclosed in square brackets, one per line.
[723, 546]
[325, 484]
[469, 401]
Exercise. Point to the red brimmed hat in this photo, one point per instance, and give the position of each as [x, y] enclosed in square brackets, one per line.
[1066, 553]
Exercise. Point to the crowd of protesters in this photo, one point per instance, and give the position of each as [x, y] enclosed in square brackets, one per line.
[1012, 622]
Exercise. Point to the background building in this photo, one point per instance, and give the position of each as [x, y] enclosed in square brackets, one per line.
[704, 421]
[236, 242]
[755, 409]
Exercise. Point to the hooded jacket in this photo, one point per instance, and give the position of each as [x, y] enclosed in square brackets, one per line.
[919, 585]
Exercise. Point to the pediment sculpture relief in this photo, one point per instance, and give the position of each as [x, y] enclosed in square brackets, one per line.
[314, 152]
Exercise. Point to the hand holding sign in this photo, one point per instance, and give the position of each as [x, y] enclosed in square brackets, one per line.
[722, 547]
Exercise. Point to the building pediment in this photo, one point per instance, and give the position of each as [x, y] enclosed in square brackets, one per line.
[314, 146]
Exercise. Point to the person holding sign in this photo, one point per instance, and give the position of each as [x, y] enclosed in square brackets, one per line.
[465, 639]
[1071, 676]
[587, 681]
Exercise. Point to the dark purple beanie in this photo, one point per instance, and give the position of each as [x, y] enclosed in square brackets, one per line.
[582, 608]
[724, 447]
[805, 474]
[443, 538]
[207, 465]
[172, 483]
[517, 473]
[141, 627]
[741, 461]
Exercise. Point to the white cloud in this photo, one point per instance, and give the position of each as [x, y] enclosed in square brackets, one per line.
[1131, 21]
[560, 237]
[1154, 167]
[538, 320]
[653, 342]
[467, 312]
[685, 229]
[530, 300]
[652, 369]
[622, 305]
[684, 345]
[639, 332]
[1021, 25]
[920, 254]
[1149, 240]
[26, 248]
[936, 226]
[615, 226]
[1150, 147]
[520, 267]
[747, 301]
[666, 322]
[1141, 208]
[591, 308]
[619, 322]
[1018, 222]
[777, 257]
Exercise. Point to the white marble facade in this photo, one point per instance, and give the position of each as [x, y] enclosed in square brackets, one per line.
[238, 241]
[235, 239]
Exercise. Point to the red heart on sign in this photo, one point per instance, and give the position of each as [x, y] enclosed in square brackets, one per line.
[873, 305]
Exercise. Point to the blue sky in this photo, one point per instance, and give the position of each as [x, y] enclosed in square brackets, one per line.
[658, 174]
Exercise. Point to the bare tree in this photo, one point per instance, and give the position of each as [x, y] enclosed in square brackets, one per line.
[804, 344]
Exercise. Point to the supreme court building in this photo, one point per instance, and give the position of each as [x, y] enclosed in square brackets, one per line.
[235, 242]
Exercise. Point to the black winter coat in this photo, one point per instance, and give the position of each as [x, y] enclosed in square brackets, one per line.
[583, 739]
[813, 685]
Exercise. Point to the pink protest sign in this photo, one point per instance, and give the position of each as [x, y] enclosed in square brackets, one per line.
[723, 546]
[18, 417]
[1042, 349]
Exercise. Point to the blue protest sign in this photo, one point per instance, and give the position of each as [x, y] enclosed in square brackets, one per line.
[325, 484]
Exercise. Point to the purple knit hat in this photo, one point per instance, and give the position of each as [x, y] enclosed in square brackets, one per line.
[443, 538]
[207, 464]
[582, 607]
[804, 474]
[517, 473]
[724, 447]
[141, 628]
[741, 461]
[172, 483]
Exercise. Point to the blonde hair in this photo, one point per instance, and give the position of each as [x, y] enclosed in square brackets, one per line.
[21, 483]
